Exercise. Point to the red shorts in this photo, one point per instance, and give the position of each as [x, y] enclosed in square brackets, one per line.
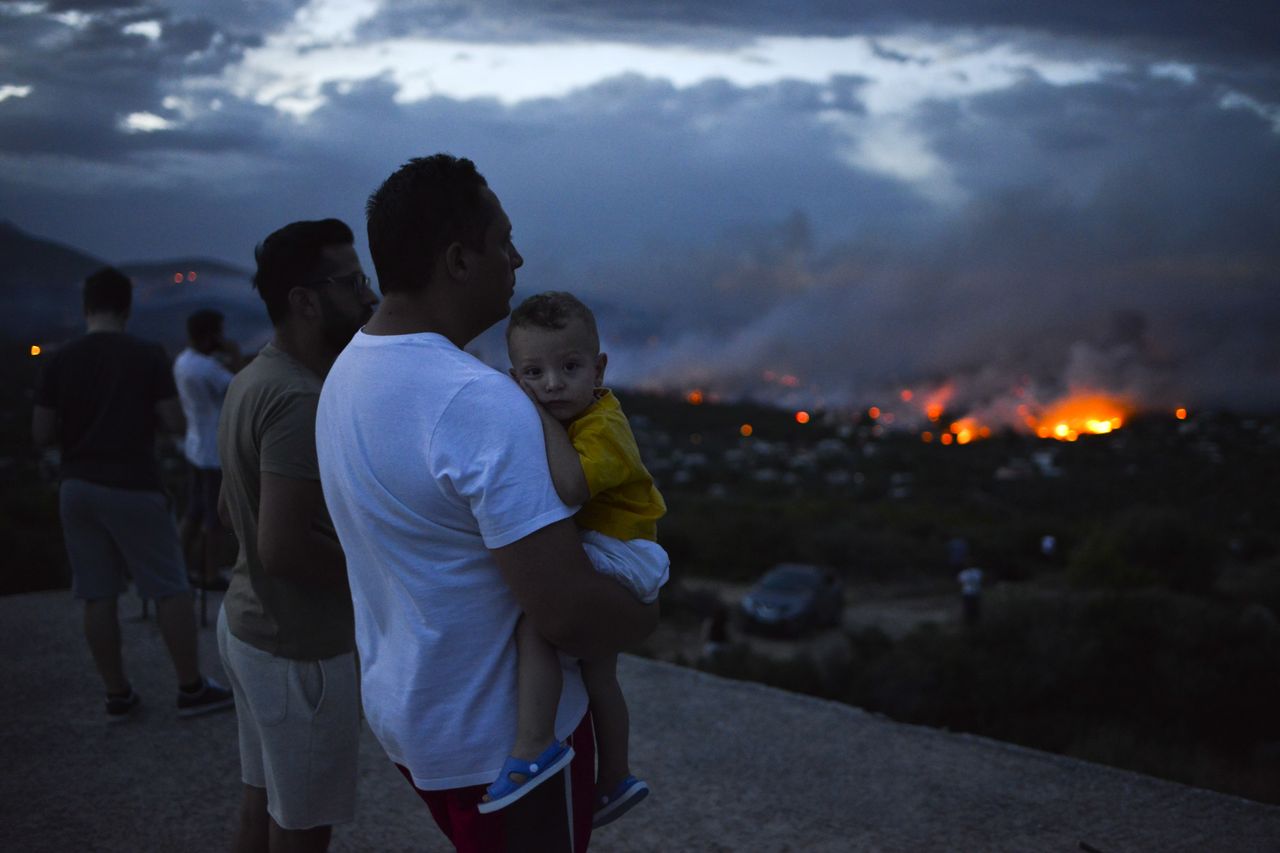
[554, 816]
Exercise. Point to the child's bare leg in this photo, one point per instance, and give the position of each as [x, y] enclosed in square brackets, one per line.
[612, 722]
[538, 684]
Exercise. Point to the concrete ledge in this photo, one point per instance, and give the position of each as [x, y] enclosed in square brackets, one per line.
[734, 766]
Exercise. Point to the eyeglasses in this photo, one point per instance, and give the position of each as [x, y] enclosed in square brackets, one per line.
[357, 281]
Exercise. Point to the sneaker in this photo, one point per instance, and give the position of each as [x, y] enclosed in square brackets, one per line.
[209, 698]
[120, 708]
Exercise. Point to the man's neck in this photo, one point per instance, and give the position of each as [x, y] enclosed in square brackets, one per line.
[307, 350]
[104, 322]
[411, 314]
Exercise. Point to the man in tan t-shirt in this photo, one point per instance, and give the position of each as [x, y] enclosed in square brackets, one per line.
[285, 631]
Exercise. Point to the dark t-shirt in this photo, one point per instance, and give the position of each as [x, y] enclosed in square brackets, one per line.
[104, 388]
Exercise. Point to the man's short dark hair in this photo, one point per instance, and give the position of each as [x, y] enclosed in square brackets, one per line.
[426, 205]
[204, 323]
[553, 310]
[289, 258]
[108, 291]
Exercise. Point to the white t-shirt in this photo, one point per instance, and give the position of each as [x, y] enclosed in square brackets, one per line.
[428, 459]
[202, 382]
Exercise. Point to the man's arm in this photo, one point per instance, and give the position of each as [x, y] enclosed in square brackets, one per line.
[169, 414]
[574, 607]
[563, 461]
[44, 426]
[290, 544]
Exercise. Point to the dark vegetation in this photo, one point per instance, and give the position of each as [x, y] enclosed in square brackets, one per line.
[1149, 639]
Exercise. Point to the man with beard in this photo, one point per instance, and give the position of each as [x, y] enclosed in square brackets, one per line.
[285, 631]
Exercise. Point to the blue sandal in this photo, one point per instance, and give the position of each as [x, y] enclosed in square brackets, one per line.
[504, 791]
[629, 793]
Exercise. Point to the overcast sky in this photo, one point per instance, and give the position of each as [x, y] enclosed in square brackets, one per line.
[1055, 197]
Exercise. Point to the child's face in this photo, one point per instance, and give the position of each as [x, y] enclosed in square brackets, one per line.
[560, 367]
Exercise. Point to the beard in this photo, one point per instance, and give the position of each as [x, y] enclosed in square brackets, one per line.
[339, 326]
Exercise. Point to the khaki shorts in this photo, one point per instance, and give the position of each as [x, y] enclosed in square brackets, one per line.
[299, 724]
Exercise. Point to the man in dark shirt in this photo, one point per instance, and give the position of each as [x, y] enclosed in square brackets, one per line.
[100, 398]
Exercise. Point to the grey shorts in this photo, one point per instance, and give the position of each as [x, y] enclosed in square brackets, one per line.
[299, 724]
[113, 535]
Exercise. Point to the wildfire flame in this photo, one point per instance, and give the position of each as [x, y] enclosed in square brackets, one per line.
[1082, 414]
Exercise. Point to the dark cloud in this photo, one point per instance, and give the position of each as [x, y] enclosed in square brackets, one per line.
[1121, 232]
[1226, 30]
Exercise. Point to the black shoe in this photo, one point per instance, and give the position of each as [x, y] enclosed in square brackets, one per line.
[120, 708]
[211, 697]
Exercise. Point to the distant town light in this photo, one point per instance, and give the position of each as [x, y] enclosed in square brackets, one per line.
[1180, 413]
[35, 349]
[802, 417]
[177, 278]
[933, 411]
[745, 430]
[947, 438]
[191, 276]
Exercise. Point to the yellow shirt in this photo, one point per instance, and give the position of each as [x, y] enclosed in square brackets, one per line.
[624, 502]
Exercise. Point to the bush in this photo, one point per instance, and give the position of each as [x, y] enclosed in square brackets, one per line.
[1145, 547]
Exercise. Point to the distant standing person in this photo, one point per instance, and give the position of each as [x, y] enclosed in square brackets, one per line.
[202, 372]
[435, 470]
[971, 594]
[100, 399]
[285, 629]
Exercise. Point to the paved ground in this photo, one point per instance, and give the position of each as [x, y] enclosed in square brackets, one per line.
[734, 767]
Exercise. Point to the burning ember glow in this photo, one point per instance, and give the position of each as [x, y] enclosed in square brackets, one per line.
[873, 412]
[694, 397]
[802, 417]
[1085, 414]
[745, 430]
[35, 349]
[906, 395]
[1180, 413]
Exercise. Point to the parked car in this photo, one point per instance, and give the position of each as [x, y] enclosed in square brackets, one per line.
[792, 598]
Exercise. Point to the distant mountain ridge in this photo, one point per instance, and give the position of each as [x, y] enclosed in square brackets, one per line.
[40, 283]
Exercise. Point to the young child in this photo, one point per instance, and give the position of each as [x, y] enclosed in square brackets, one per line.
[555, 356]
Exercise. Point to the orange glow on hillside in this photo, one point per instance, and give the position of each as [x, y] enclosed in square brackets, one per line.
[873, 412]
[906, 395]
[966, 430]
[926, 437]
[35, 349]
[1083, 414]
[947, 438]
[1180, 413]
[694, 397]
[802, 417]
[745, 430]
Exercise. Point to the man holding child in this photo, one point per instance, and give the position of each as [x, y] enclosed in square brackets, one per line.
[435, 473]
